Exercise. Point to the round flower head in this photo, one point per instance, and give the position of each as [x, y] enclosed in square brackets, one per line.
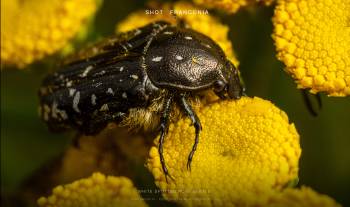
[95, 191]
[203, 23]
[112, 151]
[247, 151]
[230, 6]
[32, 29]
[312, 38]
[304, 197]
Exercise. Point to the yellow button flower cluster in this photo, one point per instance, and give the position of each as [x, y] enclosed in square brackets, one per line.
[206, 24]
[95, 191]
[230, 6]
[105, 152]
[32, 29]
[247, 151]
[313, 40]
[246, 157]
[304, 197]
[99, 190]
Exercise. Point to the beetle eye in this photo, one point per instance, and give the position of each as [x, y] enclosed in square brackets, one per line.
[219, 85]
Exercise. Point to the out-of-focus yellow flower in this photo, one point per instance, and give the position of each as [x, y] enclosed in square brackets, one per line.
[230, 6]
[32, 29]
[304, 197]
[113, 151]
[202, 23]
[247, 151]
[95, 191]
[313, 40]
[91, 155]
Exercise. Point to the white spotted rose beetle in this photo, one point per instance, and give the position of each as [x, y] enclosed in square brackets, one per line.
[136, 78]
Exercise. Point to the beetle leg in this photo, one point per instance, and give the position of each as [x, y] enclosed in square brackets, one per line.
[197, 125]
[164, 125]
[180, 22]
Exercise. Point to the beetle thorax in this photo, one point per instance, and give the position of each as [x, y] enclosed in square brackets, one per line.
[183, 60]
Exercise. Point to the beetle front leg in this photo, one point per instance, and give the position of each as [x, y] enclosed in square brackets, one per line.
[164, 125]
[197, 125]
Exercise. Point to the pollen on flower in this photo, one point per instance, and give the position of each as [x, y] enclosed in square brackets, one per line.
[202, 23]
[248, 143]
[95, 191]
[312, 38]
[33, 29]
[230, 6]
[304, 197]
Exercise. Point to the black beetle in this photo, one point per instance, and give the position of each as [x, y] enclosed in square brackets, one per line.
[135, 78]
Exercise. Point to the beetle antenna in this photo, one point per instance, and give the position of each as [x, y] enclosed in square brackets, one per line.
[180, 22]
[310, 107]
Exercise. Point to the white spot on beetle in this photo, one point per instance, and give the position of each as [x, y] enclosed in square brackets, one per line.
[125, 48]
[137, 32]
[54, 110]
[57, 113]
[104, 107]
[129, 45]
[110, 91]
[124, 95]
[76, 102]
[120, 80]
[86, 71]
[69, 83]
[135, 77]
[47, 110]
[167, 32]
[97, 85]
[208, 46]
[188, 38]
[93, 99]
[71, 91]
[178, 57]
[100, 73]
[157, 59]
[121, 69]
[64, 114]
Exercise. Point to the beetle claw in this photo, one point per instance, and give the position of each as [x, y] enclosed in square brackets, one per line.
[189, 165]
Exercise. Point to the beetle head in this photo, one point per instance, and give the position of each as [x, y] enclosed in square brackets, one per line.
[230, 83]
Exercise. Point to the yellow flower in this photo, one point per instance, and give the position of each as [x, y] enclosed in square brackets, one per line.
[113, 151]
[202, 23]
[304, 197]
[33, 29]
[230, 6]
[95, 191]
[247, 151]
[313, 40]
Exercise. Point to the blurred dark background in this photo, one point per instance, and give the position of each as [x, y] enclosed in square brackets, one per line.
[325, 163]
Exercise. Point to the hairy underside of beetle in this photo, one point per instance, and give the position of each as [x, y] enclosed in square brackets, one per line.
[148, 119]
